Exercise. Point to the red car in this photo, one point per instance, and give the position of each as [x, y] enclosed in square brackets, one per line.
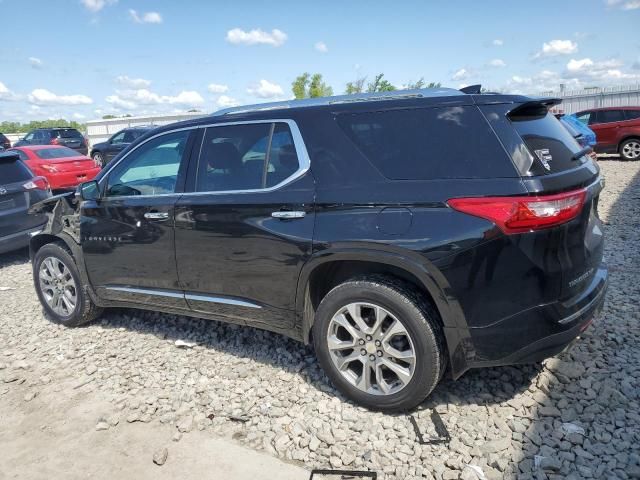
[62, 167]
[617, 130]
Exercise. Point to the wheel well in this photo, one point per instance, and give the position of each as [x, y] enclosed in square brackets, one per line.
[39, 241]
[628, 137]
[328, 275]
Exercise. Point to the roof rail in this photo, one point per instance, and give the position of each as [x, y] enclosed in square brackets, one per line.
[340, 99]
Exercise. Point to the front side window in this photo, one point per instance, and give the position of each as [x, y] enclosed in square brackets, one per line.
[117, 138]
[246, 157]
[151, 169]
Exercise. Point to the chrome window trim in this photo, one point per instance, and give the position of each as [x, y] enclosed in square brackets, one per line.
[304, 161]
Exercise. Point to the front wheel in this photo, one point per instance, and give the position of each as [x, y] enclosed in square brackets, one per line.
[630, 149]
[380, 343]
[59, 288]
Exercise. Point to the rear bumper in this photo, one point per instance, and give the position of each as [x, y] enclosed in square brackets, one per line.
[71, 179]
[535, 334]
[17, 240]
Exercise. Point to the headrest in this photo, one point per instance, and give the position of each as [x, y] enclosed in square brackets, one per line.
[287, 157]
[223, 156]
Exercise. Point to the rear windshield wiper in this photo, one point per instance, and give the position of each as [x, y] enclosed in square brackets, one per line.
[581, 153]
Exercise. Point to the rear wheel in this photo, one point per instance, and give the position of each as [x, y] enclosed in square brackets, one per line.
[379, 343]
[59, 288]
[98, 158]
[630, 149]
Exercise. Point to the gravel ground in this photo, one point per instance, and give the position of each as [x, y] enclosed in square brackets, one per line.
[576, 416]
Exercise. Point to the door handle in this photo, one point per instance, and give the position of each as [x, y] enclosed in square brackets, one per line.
[288, 214]
[156, 215]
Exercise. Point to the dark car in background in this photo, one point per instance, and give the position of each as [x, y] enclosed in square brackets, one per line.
[104, 152]
[67, 137]
[19, 190]
[617, 130]
[401, 233]
[4, 142]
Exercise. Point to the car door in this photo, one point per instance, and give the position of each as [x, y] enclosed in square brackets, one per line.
[115, 146]
[245, 228]
[128, 234]
[607, 123]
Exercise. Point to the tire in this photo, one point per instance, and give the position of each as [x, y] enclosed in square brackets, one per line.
[630, 149]
[422, 336]
[98, 158]
[55, 270]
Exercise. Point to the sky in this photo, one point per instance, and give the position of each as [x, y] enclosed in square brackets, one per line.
[82, 59]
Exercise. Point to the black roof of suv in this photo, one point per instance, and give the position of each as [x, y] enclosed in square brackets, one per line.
[403, 234]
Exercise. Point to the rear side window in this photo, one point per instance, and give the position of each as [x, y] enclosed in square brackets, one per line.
[610, 116]
[546, 138]
[246, 157]
[632, 114]
[12, 171]
[428, 143]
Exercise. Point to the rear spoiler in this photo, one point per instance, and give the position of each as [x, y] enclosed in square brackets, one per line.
[537, 106]
[9, 157]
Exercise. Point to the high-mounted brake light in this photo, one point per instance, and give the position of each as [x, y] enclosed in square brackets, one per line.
[524, 214]
[36, 183]
[54, 141]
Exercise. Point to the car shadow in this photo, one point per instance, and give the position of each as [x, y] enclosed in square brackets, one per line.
[14, 257]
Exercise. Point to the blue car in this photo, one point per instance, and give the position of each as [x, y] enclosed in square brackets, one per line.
[583, 134]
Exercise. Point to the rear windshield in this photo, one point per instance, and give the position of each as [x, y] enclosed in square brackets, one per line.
[547, 139]
[12, 171]
[52, 153]
[67, 133]
[428, 143]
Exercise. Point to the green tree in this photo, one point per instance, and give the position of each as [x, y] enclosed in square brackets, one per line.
[380, 84]
[17, 127]
[422, 84]
[357, 86]
[310, 86]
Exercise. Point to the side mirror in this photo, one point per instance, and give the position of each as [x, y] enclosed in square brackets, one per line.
[89, 190]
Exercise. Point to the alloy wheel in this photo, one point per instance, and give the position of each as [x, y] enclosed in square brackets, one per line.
[631, 150]
[371, 348]
[58, 286]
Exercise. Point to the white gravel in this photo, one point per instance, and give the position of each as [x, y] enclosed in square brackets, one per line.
[576, 417]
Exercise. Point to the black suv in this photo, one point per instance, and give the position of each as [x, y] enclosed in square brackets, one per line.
[67, 137]
[104, 152]
[401, 234]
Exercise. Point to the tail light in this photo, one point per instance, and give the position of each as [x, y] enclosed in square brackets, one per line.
[54, 141]
[36, 183]
[524, 214]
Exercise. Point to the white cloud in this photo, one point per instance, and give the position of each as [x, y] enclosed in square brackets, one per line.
[120, 102]
[557, 47]
[41, 96]
[460, 74]
[217, 88]
[97, 5]
[6, 94]
[266, 89]
[577, 65]
[603, 72]
[498, 43]
[35, 62]
[225, 101]
[134, 83]
[321, 47]
[237, 36]
[496, 62]
[79, 116]
[624, 5]
[147, 17]
[131, 99]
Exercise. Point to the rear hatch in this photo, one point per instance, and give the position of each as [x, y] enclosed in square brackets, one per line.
[551, 162]
[69, 137]
[15, 197]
